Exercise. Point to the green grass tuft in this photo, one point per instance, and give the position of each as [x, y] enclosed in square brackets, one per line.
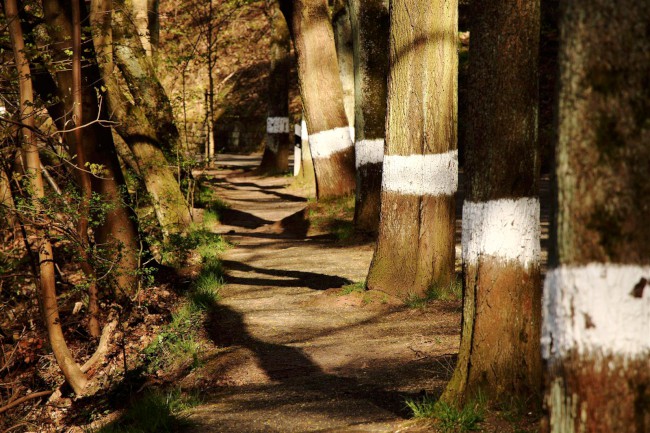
[358, 287]
[449, 419]
[454, 292]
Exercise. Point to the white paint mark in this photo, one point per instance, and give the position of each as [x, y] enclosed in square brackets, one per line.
[325, 143]
[352, 133]
[304, 134]
[277, 125]
[435, 174]
[297, 129]
[595, 309]
[369, 151]
[507, 229]
[297, 160]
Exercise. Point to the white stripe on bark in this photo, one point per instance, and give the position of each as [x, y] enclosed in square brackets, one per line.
[326, 143]
[599, 308]
[435, 174]
[506, 229]
[277, 125]
[369, 151]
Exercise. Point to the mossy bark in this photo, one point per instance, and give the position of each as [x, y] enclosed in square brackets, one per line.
[415, 248]
[370, 29]
[602, 192]
[500, 351]
[172, 211]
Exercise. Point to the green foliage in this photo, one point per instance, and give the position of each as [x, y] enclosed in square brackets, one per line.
[155, 412]
[358, 287]
[449, 419]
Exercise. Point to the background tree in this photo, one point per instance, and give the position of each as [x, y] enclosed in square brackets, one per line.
[342, 27]
[331, 147]
[370, 29]
[499, 353]
[596, 296]
[278, 139]
[31, 160]
[118, 232]
[415, 248]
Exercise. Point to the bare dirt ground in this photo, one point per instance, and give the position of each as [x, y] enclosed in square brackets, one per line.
[298, 356]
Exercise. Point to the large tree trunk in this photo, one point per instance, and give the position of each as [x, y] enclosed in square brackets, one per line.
[331, 146]
[119, 232]
[415, 248]
[499, 353]
[48, 302]
[342, 27]
[370, 29]
[595, 333]
[278, 139]
[135, 127]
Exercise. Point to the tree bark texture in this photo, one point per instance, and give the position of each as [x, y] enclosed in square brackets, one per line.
[135, 127]
[415, 248]
[322, 96]
[596, 312]
[500, 354]
[278, 126]
[342, 28]
[47, 293]
[119, 232]
[140, 76]
[370, 30]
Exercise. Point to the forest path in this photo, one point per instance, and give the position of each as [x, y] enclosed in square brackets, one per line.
[297, 355]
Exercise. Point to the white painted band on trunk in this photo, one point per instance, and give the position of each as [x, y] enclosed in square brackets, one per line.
[596, 308]
[352, 133]
[297, 129]
[297, 160]
[435, 174]
[304, 135]
[369, 151]
[326, 143]
[507, 229]
[277, 125]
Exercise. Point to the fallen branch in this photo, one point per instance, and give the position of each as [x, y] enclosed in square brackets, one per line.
[24, 399]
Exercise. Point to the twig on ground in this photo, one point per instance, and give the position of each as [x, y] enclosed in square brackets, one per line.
[24, 399]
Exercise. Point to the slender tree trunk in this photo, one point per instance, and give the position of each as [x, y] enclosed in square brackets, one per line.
[153, 7]
[415, 248]
[82, 174]
[140, 16]
[118, 235]
[135, 127]
[342, 28]
[278, 140]
[307, 175]
[7, 206]
[322, 96]
[595, 333]
[48, 302]
[370, 29]
[499, 354]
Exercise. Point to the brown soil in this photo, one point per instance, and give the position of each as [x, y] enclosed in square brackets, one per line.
[298, 355]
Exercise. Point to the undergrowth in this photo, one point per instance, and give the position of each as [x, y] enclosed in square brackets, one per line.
[447, 418]
[453, 292]
[358, 287]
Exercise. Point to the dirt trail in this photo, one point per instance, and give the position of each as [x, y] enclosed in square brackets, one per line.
[298, 356]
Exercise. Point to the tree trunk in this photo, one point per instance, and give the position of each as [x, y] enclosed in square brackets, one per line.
[342, 28]
[322, 96]
[370, 29]
[153, 7]
[499, 355]
[118, 235]
[7, 207]
[595, 332]
[172, 212]
[307, 176]
[137, 69]
[82, 174]
[415, 248]
[140, 19]
[278, 140]
[49, 308]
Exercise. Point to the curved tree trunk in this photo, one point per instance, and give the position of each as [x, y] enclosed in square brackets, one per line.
[415, 248]
[137, 131]
[278, 139]
[499, 354]
[595, 333]
[370, 28]
[118, 235]
[322, 96]
[49, 308]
